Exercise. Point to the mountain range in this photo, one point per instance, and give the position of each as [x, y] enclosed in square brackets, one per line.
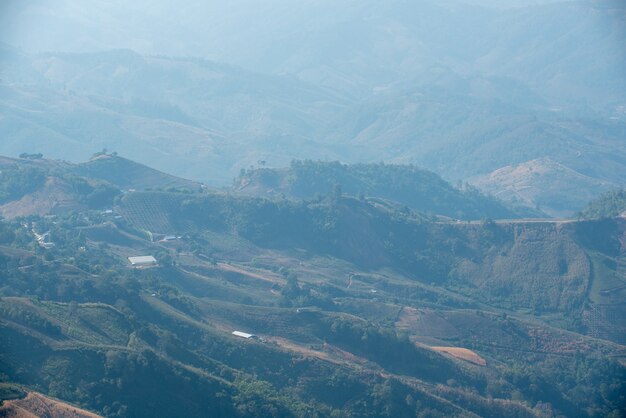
[456, 87]
[355, 208]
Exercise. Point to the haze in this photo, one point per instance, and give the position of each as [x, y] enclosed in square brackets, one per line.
[313, 208]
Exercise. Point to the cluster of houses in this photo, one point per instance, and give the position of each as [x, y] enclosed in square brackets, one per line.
[42, 239]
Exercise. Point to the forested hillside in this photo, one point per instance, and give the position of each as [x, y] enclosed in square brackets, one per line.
[33, 185]
[313, 208]
[418, 189]
[609, 205]
[357, 308]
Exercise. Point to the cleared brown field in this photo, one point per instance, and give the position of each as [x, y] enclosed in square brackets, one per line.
[36, 405]
[463, 354]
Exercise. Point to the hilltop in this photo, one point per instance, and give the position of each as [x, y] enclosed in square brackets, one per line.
[419, 189]
[543, 183]
[126, 174]
[33, 185]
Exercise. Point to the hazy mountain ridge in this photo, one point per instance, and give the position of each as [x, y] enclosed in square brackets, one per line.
[371, 40]
[218, 119]
[461, 88]
[205, 114]
[26, 185]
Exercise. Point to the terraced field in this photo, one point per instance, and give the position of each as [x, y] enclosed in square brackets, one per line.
[154, 212]
[465, 319]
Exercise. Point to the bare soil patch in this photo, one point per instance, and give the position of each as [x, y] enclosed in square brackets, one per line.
[37, 405]
[463, 354]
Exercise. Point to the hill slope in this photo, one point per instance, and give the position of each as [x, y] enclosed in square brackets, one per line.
[542, 183]
[36, 405]
[418, 189]
[456, 87]
[609, 205]
[127, 174]
[36, 186]
[358, 308]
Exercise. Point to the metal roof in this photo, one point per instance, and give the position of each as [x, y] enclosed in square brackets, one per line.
[144, 259]
[242, 334]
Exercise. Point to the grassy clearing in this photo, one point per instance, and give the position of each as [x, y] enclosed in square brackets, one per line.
[608, 285]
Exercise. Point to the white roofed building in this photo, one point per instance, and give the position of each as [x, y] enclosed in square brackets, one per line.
[142, 261]
[245, 335]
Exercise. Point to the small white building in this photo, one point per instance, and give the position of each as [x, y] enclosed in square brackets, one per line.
[245, 335]
[143, 261]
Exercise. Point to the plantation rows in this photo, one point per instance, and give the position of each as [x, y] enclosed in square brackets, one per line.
[153, 212]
